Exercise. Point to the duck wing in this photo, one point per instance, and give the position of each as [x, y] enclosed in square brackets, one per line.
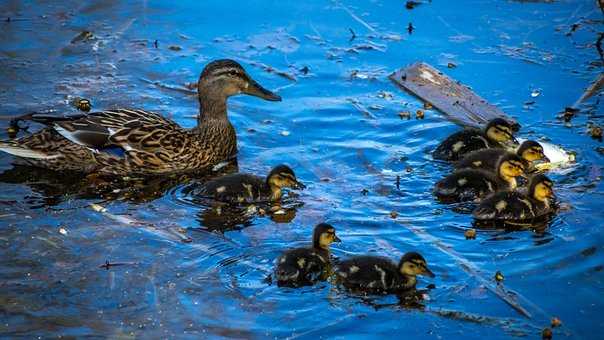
[127, 128]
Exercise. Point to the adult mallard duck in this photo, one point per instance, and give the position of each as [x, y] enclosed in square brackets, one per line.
[132, 141]
[379, 275]
[497, 133]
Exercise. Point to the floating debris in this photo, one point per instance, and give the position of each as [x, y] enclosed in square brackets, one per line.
[82, 104]
[596, 132]
[175, 48]
[62, 231]
[536, 93]
[393, 214]
[451, 65]
[547, 334]
[419, 114]
[569, 113]
[427, 106]
[85, 35]
[410, 28]
[470, 234]
[499, 276]
[556, 322]
[285, 133]
[385, 95]
[364, 192]
[411, 4]
[405, 115]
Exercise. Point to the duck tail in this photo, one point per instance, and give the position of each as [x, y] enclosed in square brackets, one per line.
[20, 151]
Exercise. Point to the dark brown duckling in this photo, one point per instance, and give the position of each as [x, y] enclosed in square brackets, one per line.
[475, 184]
[497, 133]
[538, 201]
[304, 266]
[379, 275]
[247, 188]
[530, 151]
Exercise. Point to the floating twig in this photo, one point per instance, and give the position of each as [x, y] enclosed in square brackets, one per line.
[355, 17]
[169, 87]
[353, 36]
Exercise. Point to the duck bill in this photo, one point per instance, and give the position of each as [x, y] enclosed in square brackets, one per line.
[336, 239]
[256, 90]
[427, 272]
[299, 186]
[545, 159]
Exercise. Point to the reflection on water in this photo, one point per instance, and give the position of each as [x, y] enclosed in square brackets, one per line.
[184, 267]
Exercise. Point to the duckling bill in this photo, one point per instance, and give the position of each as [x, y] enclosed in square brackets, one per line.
[304, 266]
[379, 275]
[511, 206]
[247, 188]
[497, 133]
[476, 184]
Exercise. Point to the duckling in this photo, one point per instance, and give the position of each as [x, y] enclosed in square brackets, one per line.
[128, 141]
[304, 266]
[497, 132]
[516, 205]
[530, 151]
[379, 275]
[475, 184]
[246, 188]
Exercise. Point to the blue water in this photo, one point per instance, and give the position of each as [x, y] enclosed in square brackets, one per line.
[341, 135]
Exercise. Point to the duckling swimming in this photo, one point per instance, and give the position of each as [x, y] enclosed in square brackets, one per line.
[379, 275]
[475, 184]
[246, 188]
[516, 205]
[497, 132]
[530, 151]
[304, 266]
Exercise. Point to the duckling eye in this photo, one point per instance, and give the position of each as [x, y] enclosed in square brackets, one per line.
[232, 73]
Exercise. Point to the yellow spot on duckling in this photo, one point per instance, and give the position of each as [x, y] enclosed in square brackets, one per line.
[301, 263]
[501, 205]
[457, 146]
[353, 269]
[477, 163]
[220, 189]
[462, 182]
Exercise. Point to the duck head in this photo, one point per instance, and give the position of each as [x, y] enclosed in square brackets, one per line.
[282, 176]
[531, 151]
[223, 78]
[541, 188]
[324, 235]
[509, 167]
[501, 131]
[413, 264]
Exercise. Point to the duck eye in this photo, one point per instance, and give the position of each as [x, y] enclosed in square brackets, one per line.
[232, 73]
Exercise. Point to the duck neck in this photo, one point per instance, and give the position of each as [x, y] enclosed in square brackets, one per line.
[275, 193]
[212, 106]
[510, 180]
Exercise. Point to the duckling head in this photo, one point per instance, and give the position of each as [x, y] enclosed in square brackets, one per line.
[531, 151]
[324, 235]
[509, 167]
[413, 264]
[501, 131]
[541, 188]
[282, 176]
[223, 78]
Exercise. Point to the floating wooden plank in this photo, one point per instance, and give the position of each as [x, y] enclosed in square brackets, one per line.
[456, 101]
[595, 87]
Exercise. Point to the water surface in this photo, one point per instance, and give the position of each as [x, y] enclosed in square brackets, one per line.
[188, 273]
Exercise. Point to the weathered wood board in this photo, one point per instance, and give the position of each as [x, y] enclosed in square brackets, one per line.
[457, 102]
